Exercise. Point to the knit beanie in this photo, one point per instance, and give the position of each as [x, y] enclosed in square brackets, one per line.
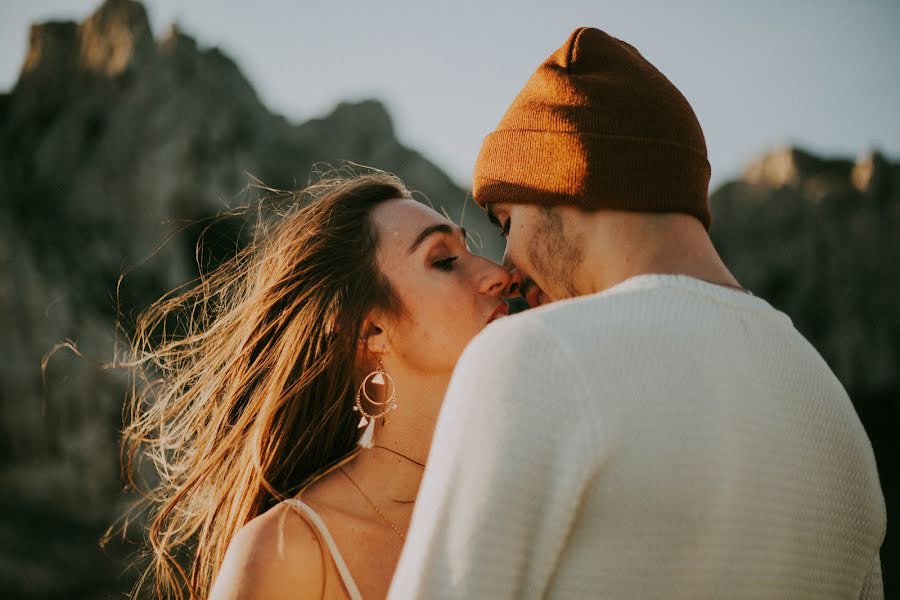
[597, 126]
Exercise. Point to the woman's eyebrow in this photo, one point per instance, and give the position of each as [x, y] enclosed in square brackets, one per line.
[443, 228]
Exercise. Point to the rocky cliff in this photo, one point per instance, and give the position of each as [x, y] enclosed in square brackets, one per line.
[819, 239]
[112, 141]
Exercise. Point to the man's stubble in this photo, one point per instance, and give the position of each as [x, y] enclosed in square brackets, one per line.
[555, 256]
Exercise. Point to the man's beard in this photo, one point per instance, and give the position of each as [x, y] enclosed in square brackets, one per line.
[554, 257]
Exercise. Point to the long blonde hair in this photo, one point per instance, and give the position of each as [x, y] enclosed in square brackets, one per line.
[244, 379]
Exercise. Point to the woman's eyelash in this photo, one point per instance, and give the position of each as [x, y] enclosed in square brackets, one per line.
[504, 229]
[446, 264]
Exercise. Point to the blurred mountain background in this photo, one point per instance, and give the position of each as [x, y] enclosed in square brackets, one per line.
[112, 141]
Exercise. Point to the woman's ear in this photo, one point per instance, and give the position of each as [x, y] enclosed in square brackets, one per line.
[373, 340]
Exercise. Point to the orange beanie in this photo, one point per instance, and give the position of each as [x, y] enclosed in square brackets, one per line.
[597, 126]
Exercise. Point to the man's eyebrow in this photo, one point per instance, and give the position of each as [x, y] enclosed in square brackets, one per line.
[442, 228]
[490, 214]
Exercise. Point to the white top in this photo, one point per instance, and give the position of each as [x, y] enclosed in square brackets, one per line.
[667, 438]
[319, 524]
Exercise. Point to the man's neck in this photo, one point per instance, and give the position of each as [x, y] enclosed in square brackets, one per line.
[624, 245]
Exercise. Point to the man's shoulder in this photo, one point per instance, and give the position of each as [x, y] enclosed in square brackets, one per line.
[657, 302]
[637, 313]
[520, 336]
[561, 323]
[530, 351]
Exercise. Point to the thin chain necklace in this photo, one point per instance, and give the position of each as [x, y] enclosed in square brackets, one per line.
[369, 500]
[400, 454]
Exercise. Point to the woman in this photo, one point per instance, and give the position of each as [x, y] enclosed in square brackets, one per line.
[290, 413]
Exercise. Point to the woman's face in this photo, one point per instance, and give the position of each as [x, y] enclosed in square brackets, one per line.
[449, 293]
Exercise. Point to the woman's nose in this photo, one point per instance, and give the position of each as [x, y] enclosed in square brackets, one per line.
[495, 279]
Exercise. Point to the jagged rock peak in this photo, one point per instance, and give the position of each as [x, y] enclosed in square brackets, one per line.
[50, 47]
[176, 40]
[777, 168]
[789, 166]
[370, 116]
[870, 170]
[117, 34]
[114, 37]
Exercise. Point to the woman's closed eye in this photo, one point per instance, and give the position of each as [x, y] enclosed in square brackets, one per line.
[445, 264]
[504, 228]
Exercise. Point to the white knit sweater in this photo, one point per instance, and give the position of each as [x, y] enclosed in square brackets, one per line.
[666, 438]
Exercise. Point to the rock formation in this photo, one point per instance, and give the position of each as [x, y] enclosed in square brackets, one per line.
[110, 142]
[818, 239]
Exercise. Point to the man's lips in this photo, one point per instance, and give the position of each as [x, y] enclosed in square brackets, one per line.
[501, 311]
[532, 293]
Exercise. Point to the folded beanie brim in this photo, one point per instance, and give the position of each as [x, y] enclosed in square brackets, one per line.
[594, 171]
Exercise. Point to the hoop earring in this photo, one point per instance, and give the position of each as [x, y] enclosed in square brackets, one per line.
[378, 377]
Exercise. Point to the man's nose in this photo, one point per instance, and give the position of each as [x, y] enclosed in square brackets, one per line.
[514, 287]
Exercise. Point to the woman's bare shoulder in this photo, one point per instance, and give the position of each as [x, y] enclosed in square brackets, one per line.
[276, 555]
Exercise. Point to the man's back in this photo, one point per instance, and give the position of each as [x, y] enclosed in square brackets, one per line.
[666, 438]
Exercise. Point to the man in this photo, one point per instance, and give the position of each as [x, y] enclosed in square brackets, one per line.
[654, 430]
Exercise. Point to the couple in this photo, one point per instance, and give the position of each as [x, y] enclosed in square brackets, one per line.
[652, 431]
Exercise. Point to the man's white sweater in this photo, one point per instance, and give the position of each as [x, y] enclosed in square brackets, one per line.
[666, 438]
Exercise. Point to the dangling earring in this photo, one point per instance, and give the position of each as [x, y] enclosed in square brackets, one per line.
[376, 377]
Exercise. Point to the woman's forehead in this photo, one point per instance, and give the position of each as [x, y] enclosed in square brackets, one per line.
[404, 228]
[400, 221]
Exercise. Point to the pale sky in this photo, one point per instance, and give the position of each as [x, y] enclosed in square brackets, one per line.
[823, 74]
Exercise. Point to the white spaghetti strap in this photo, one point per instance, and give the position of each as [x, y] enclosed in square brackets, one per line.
[332, 547]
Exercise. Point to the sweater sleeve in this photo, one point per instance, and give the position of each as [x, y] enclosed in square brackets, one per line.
[511, 459]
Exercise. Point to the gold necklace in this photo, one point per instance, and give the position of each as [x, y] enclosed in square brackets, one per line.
[369, 500]
[399, 454]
